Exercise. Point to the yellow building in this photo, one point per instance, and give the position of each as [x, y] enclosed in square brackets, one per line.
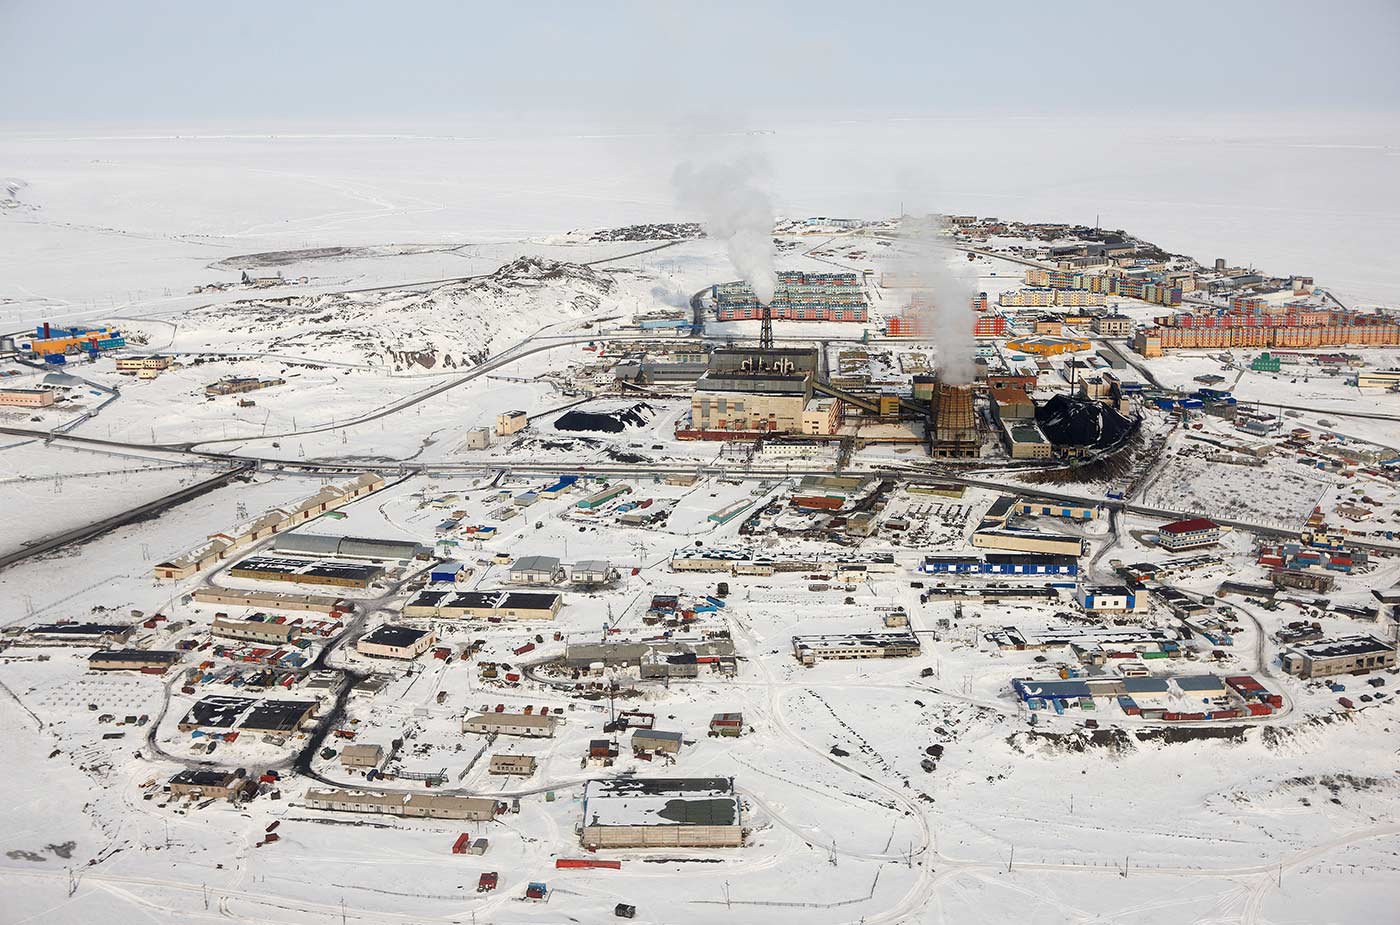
[1045, 345]
[821, 417]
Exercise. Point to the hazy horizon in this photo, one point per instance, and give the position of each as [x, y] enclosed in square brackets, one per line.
[88, 63]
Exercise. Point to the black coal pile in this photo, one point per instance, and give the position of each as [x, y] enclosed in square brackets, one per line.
[606, 422]
[1082, 422]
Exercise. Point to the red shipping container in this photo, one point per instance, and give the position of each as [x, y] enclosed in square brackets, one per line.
[585, 864]
[462, 843]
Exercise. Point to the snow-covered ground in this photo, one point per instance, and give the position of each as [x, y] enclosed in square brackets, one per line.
[391, 355]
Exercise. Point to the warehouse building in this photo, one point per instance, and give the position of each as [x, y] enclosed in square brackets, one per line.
[150, 661]
[390, 641]
[843, 646]
[601, 497]
[254, 630]
[420, 805]
[528, 725]
[637, 812]
[993, 563]
[1340, 655]
[1378, 378]
[215, 711]
[278, 717]
[301, 571]
[1014, 540]
[485, 605]
[222, 546]
[1188, 534]
[349, 547]
[272, 600]
[80, 634]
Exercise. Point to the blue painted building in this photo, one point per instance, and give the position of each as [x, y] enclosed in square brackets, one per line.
[1001, 564]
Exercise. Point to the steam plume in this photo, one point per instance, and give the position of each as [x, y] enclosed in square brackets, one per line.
[735, 208]
[668, 295]
[942, 302]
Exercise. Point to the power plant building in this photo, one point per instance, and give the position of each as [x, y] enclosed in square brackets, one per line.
[755, 402]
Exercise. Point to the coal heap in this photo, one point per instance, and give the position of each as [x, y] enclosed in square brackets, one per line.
[606, 422]
[1082, 422]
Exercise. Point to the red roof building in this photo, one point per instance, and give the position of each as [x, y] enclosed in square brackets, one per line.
[1188, 534]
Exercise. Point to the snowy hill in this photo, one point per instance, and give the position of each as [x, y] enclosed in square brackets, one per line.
[451, 326]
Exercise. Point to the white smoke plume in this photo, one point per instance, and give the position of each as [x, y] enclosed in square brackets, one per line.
[941, 306]
[668, 295]
[735, 208]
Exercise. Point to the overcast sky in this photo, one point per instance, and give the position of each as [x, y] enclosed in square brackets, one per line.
[145, 63]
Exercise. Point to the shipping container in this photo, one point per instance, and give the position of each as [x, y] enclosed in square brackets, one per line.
[586, 863]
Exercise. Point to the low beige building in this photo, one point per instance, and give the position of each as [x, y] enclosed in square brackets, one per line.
[511, 422]
[390, 641]
[529, 725]
[513, 765]
[421, 805]
[253, 631]
[361, 756]
[137, 364]
[27, 398]
[206, 784]
[273, 600]
[1341, 655]
[222, 546]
